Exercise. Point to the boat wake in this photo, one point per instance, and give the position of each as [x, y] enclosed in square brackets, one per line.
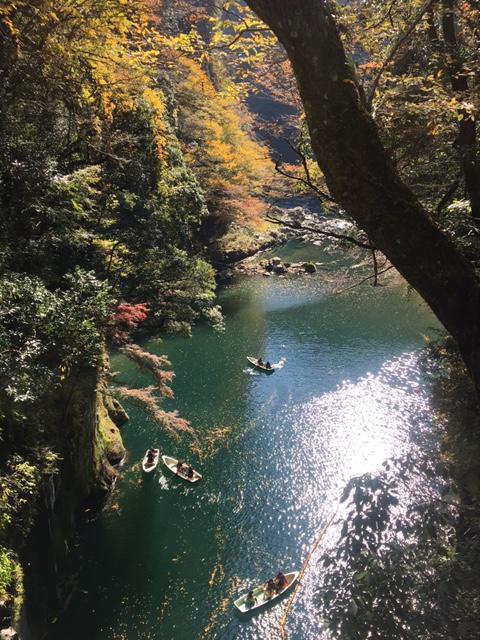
[279, 364]
[163, 482]
[251, 372]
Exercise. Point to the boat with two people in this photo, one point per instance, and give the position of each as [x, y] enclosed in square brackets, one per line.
[181, 469]
[150, 460]
[266, 593]
[260, 364]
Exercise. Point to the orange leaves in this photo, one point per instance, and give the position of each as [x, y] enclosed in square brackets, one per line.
[217, 128]
[149, 397]
[370, 66]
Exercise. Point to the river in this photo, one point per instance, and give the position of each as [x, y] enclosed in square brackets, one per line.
[164, 560]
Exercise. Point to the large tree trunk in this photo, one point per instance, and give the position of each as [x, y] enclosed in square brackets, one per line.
[466, 142]
[361, 176]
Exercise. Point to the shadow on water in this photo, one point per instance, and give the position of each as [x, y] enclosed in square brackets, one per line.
[167, 559]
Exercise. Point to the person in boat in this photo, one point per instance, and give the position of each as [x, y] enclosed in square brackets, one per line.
[260, 362]
[151, 455]
[270, 589]
[190, 472]
[268, 365]
[179, 465]
[280, 581]
[250, 600]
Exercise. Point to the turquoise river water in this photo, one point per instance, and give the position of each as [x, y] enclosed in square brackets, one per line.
[164, 560]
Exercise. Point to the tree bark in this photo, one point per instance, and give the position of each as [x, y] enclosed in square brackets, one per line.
[466, 142]
[361, 176]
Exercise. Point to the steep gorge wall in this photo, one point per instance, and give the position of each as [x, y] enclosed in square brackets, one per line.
[86, 435]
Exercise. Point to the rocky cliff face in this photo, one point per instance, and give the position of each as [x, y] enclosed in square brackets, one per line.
[90, 444]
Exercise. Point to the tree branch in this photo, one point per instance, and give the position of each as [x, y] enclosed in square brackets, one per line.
[357, 284]
[307, 180]
[328, 234]
[238, 36]
[387, 14]
[447, 196]
[401, 40]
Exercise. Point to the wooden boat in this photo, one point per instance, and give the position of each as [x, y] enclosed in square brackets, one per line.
[260, 596]
[262, 367]
[147, 466]
[171, 463]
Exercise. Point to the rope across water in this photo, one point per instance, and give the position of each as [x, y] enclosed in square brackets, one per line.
[291, 600]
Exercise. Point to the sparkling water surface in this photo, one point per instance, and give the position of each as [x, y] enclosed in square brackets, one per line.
[165, 560]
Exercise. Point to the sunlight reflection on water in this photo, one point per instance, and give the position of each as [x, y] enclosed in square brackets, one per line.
[314, 448]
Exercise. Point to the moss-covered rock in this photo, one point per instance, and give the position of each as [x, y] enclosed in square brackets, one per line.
[309, 267]
[115, 410]
[109, 439]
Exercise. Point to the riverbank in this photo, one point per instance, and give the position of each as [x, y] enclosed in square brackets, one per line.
[292, 223]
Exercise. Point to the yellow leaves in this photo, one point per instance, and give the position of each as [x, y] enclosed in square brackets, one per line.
[110, 253]
[223, 150]
[7, 22]
[154, 99]
[105, 50]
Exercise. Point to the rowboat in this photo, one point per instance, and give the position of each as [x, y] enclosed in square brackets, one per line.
[262, 367]
[171, 463]
[260, 595]
[147, 466]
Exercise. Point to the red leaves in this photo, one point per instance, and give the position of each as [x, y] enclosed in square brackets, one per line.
[125, 319]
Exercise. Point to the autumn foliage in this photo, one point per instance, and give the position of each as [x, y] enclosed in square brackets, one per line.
[125, 319]
[149, 398]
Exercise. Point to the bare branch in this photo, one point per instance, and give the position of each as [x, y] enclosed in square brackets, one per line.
[387, 14]
[108, 155]
[448, 195]
[357, 284]
[308, 179]
[238, 36]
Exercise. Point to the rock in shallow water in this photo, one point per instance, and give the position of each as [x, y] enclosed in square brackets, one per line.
[279, 269]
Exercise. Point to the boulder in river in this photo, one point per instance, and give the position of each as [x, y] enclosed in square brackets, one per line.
[279, 269]
[309, 267]
[276, 261]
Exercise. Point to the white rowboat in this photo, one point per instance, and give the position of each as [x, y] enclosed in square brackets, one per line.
[171, 463]
[260, 596]
[262, 367]
[149, 467]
